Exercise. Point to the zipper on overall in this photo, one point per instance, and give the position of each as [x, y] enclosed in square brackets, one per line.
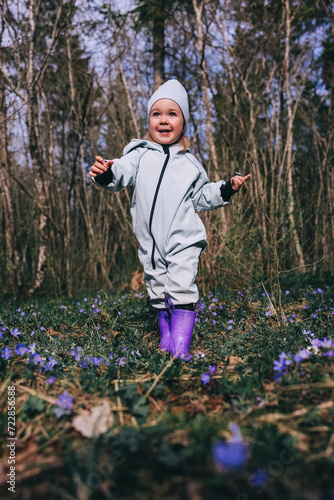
[166, 151]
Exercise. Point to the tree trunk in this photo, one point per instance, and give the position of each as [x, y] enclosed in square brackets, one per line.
[158, 33]
[289, 140]
[13, 268]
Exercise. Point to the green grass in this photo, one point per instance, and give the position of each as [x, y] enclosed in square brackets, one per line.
[158, 440]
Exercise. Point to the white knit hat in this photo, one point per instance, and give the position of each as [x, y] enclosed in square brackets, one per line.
[173, 90]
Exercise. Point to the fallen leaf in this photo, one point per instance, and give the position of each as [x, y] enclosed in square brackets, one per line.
[97, 422]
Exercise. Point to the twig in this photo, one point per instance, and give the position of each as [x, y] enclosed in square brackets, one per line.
[319, 385]
[158, 377]
[272, 307]
[53, 400]
[119, 404]
[330, 446]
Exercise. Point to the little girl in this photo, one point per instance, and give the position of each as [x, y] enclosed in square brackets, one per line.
[167, 185]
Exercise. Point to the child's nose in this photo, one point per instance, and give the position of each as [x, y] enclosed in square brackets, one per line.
[163, 119]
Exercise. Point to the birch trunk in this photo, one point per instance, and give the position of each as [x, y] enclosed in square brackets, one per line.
[198, 9]
[13, 267]
[36, 154]
[289, 141]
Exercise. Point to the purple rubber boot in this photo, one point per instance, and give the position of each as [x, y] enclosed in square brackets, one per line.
[182, 325]
[164, 324]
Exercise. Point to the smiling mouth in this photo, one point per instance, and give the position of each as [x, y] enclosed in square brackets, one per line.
[164, 131]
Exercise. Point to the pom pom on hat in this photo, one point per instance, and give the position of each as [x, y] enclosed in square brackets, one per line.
[173, 90]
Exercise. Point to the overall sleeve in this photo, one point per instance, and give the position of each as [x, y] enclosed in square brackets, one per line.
[207, 195]
[121, 174]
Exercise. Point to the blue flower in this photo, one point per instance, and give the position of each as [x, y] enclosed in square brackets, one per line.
[212, 369]
[327, 343]
[330, 354]
[206, 377]
[64, 403]
[232, 454]
[301, 355]
[76, 353]
[259, 479]
[120, 361]
[50, 380]
[50, 364]
[31, 348]
[6, 353]
[15, 332]
[21, 349]
[36, 358]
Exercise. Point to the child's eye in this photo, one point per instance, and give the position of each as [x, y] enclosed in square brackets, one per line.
[155, 113]
[172, 113]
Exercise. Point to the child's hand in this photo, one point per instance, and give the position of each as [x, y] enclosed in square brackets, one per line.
[238, 180]
[100, 166]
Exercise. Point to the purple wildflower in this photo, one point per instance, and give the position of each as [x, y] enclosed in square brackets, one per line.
[232, 454]
[15, 332]
[31, 348]
[76, 353]
[120, 361]
[6, 353]
[50, 364]
[259, 479]
[329, 354]
[50, 380]
[64, 403]
[327, 343]
[212, 369]
[21, 349]
[36, 358]
[301, 355]
[206, 377]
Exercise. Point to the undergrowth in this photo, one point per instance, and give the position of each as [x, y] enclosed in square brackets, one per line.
[247, 415]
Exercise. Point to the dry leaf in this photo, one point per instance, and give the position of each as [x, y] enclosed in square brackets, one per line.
[97, 422]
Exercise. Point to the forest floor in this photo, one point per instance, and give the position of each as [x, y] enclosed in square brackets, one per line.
[102, 413]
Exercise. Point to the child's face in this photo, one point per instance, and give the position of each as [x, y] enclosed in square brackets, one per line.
[166, 122]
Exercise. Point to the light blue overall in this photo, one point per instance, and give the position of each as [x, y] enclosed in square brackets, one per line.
[167, 188]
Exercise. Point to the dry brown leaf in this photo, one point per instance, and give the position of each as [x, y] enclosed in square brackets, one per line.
[97, 422]
[53, 332]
